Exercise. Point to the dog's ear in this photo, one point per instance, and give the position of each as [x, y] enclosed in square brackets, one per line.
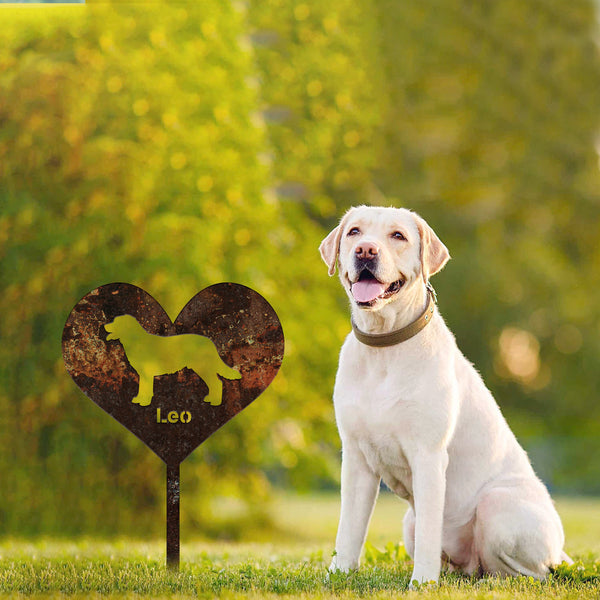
[434, 255]
[330, 248]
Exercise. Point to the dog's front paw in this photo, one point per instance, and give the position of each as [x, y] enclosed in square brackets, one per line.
[142, 401]
[339, 565]
[420, 579]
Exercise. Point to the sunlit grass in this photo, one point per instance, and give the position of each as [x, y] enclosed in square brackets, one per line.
[293, 563]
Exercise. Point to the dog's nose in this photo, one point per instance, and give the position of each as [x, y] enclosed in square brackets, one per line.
[366, 250]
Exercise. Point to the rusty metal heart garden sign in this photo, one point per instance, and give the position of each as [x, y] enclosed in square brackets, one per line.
[173, 383]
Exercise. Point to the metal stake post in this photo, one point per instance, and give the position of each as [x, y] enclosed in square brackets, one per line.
[173, 516]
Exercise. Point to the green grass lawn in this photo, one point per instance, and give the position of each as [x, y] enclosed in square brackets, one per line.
[291, 563]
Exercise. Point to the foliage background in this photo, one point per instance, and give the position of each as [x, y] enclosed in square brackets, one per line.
[178, 145]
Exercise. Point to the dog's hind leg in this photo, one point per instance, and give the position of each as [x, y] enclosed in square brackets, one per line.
[517, 535]
[215, 391]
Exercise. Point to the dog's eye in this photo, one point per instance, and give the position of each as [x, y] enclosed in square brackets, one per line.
[398, 235]
[353, 231]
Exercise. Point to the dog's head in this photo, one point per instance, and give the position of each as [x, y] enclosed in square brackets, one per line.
[381, 251]
[123, 327]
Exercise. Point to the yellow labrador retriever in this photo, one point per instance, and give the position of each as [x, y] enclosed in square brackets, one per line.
[411, 410]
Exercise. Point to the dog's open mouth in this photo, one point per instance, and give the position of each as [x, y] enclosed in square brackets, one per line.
[368, 289]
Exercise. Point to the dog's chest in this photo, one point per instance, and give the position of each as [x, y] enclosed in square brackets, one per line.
[379, 404]
[385, 457]
[392, 401]
[379, 423]
[377, 399]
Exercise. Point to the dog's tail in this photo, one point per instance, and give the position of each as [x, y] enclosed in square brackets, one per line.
[564, 557]
[228, 373]
[515, 568]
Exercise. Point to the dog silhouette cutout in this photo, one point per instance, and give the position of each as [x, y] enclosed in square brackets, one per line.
[153, 355]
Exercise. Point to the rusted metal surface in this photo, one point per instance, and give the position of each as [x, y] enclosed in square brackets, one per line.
[243, 327]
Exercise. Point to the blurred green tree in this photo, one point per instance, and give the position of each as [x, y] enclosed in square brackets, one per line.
[134, 154]
[177, 145]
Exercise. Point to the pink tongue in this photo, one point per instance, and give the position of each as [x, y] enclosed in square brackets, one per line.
[365, 291]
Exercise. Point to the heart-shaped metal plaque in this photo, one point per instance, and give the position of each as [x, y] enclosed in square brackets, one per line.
[173, 384]
[234, 345]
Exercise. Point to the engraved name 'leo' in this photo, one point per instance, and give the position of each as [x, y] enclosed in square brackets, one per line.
[185, 416]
